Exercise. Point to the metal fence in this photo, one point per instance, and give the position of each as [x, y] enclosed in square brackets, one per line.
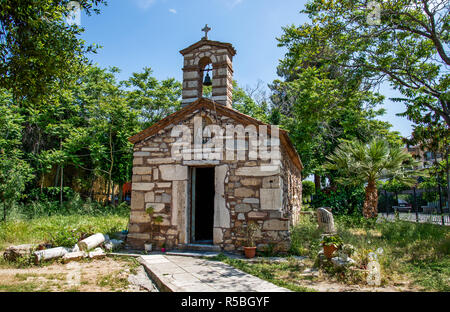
[417, 205]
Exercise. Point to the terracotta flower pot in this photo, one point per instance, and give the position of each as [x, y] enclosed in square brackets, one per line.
[329, 250]
[249, 252]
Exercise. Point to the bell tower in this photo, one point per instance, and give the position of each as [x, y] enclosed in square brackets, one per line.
[197, 58]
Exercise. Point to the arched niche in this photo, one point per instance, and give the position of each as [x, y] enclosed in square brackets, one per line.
[203, 63]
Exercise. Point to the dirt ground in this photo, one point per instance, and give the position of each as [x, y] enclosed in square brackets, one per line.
[307, 276]
[331, 286]
[324, 283]
[100, 275]
[120, 274]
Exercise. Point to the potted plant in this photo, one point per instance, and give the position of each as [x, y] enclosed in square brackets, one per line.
[330, 244]
[153, 221]
[250, 249]
[163, 247]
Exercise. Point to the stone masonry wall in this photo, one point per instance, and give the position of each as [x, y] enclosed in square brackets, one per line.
[243, 194]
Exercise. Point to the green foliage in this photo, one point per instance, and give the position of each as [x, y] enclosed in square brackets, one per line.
[75, 205]
[40, 229]
[51, 194]
[308, 189]
[14, 171]
[269, 250]
[251, 102]
[250, 231]
[356, 221]
[66, 237]
[269, 272]
[158, 219]
[406, 47]
[153, 99]
[40, 53]
[305, 238]
[319, 108]
[412, 251]
[395, 186]
[343, 200]
[335, 240]
[359, 162]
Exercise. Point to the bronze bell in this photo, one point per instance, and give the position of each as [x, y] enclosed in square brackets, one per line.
[207, 81]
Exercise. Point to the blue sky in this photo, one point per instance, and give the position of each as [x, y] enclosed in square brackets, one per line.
[138, 33]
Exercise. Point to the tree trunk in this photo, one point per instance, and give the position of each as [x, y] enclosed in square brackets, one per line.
[62, 185]
[370, 209]
[57, 176]
[4, 211]
[317, 183]
[91, 191]
[108, 189]
[112, 193]
[448, 178]
[120, 193]
[42, 181]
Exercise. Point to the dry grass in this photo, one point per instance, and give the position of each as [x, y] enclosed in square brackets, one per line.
[102, 275]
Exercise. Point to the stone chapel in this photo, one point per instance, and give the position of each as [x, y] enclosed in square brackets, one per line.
[208, 170]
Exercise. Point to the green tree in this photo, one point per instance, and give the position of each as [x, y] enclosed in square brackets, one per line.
[153, 99]
[434, 136]
[100, 144]
[14, 171]
[252, 102]
[395, 186]
[406, 46]
[39, 51]
[319, 109]
[360, 163]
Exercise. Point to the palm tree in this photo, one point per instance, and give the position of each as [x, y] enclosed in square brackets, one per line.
[357, 163]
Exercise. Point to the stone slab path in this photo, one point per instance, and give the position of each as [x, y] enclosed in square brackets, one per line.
[189, 274]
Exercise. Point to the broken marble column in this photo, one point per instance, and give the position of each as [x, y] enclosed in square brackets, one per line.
[51, 253]
[92, 241]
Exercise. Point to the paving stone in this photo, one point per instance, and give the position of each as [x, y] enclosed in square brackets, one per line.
[189, 274]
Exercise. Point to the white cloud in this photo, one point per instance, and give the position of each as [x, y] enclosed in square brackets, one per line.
[173, 11]
[144, 4]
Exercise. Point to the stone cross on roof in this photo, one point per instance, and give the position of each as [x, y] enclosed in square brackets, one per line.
[206, 29]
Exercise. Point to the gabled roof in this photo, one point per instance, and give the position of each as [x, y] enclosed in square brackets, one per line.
[203, 42]
[222, 110]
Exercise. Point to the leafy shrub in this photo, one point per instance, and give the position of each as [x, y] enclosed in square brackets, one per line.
[305, 238]
[335, 240]
[75, 205]
[269, 250]
[308, 190]
[51, 194]
[344, 200]
[65, 237]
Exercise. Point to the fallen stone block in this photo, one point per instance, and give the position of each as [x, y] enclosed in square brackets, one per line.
[74, 256]
[12, 253]
[339, 262]
[97, 253]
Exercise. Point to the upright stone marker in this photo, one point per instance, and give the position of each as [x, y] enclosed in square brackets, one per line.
[326, 221]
